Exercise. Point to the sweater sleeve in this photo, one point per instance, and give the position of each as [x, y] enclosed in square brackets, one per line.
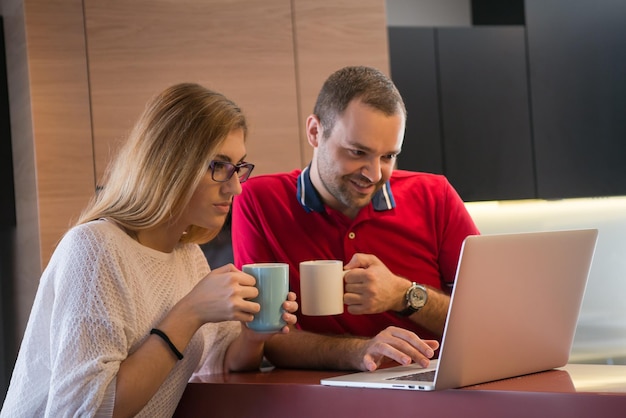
[86, 327]
[217, 338]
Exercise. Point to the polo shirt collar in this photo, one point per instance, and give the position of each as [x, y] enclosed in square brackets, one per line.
[311, 201]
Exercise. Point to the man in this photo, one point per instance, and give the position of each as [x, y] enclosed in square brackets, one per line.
[398, 232]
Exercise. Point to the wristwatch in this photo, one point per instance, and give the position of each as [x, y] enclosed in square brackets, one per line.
[416, 297]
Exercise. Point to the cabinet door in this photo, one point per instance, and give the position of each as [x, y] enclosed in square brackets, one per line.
[486, 131]
[577, 61]
[414, 71]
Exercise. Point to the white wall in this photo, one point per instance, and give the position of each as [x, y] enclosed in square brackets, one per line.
[601, 329]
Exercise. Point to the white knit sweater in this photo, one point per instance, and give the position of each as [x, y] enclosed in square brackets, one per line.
[98, 298]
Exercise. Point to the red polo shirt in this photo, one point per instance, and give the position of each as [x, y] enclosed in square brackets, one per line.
[417, 231]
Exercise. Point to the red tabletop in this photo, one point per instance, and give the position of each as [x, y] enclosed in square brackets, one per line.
[573, 391]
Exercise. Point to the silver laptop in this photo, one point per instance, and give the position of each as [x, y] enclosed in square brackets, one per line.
[513, 311]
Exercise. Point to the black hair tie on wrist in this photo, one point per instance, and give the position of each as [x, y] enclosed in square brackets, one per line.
[165, 338]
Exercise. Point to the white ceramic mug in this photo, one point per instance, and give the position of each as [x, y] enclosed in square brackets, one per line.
[321, 287]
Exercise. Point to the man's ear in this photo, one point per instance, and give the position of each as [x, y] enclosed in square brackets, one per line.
[314, 130]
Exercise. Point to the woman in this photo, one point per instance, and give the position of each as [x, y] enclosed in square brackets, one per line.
[128, 309]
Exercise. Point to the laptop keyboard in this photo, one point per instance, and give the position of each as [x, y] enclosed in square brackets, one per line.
[428, 376]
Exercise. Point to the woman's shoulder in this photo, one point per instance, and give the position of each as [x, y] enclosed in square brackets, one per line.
[89, 241]
[97, 231]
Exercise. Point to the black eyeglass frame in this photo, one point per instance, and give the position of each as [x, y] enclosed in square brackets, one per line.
[231, 169]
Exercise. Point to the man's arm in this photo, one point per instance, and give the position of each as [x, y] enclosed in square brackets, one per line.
[301, 349]
[372, 288]
[432, 316]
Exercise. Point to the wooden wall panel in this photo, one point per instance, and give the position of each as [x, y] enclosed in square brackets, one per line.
[242, 48]
[331, 34]
[61, 117]
[51, 131]
[80, 73]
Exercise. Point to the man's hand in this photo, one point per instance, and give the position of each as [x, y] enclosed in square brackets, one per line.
[397, 344]
[371, 287]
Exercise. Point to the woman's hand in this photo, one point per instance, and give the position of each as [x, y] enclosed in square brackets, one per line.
[289, 306]
[246, 351]
[224, 295]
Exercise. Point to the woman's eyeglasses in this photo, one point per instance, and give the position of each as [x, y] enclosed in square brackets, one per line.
[222, 171]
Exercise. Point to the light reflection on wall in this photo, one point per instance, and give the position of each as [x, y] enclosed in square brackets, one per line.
[601, 329]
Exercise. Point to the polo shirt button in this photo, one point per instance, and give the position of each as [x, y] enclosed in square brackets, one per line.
[351, 235]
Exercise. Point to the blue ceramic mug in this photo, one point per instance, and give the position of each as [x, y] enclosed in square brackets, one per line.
[272, 280]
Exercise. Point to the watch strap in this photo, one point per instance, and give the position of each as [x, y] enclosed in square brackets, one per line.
[408, 311]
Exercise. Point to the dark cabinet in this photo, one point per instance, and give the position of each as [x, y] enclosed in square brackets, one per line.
[486, 120]
[514, 112]
[414, 71]
[466, 94]
[577, 56]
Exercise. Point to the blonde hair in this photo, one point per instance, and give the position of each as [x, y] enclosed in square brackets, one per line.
[166, 155]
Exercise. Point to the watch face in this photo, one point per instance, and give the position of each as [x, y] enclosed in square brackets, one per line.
[417, 297]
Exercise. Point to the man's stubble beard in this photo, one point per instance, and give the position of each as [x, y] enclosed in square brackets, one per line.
[339, 188]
